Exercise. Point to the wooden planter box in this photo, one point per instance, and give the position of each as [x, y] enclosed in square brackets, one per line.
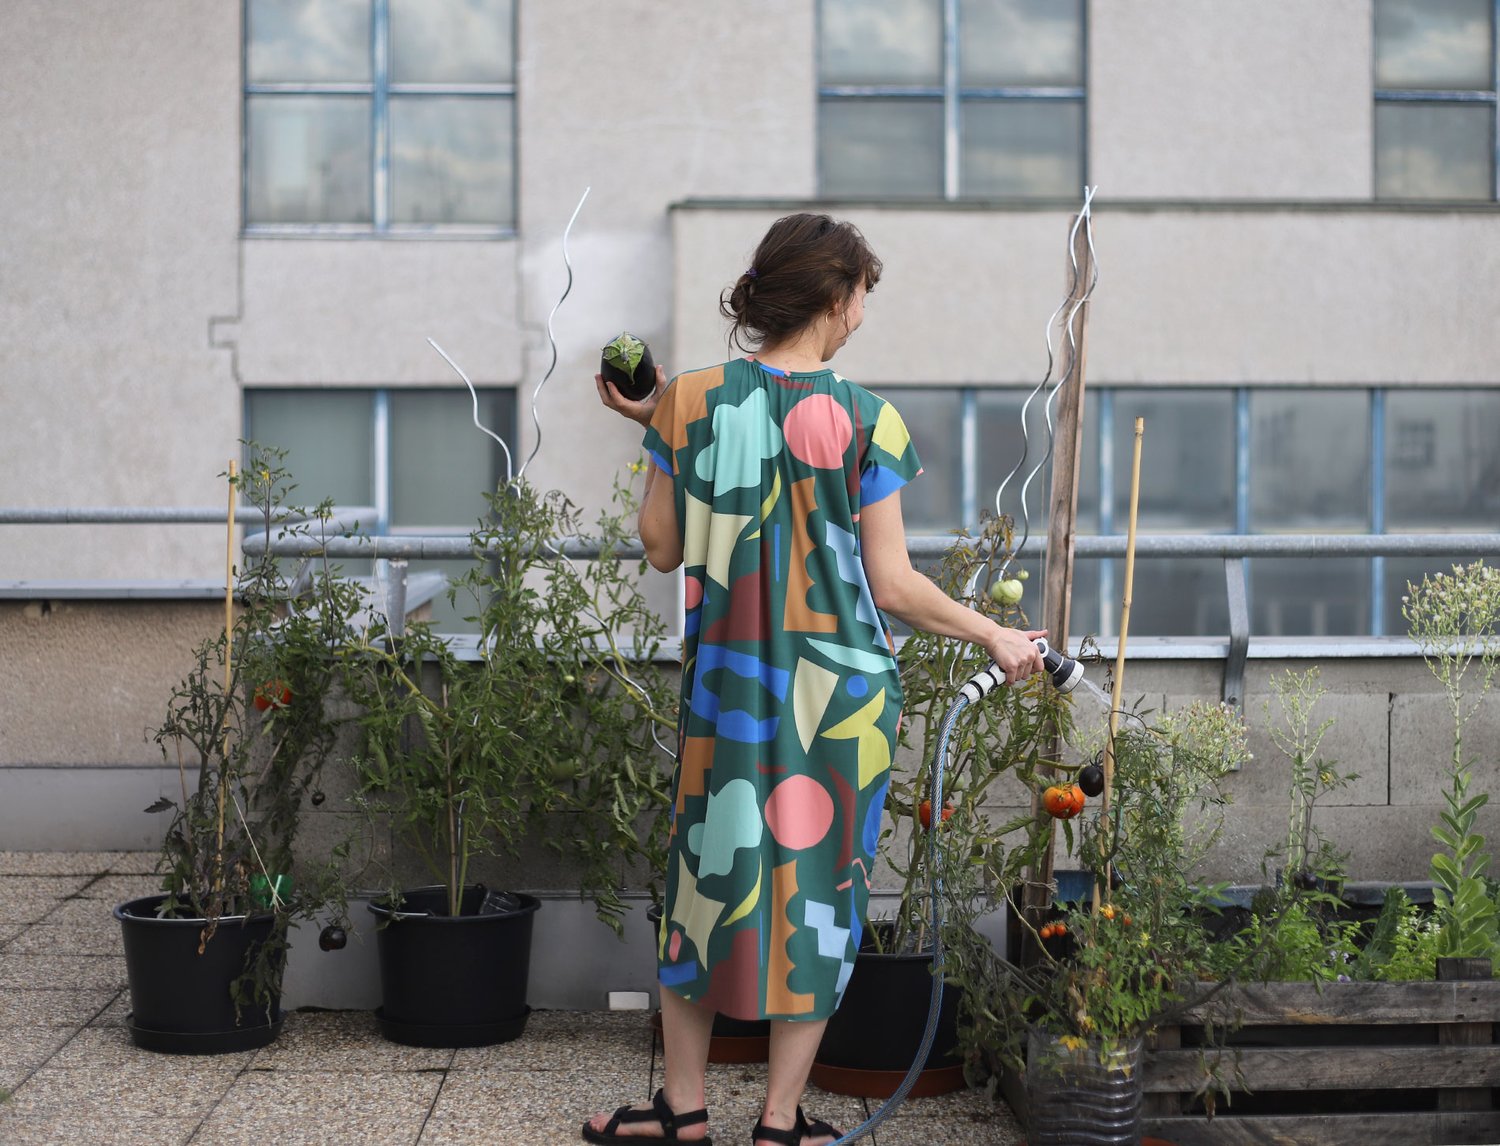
[1344, 1064]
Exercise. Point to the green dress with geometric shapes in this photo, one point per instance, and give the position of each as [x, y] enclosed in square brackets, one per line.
[790, 693]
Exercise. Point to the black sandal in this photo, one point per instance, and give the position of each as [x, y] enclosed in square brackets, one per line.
[794, 1136]
[660, 1112]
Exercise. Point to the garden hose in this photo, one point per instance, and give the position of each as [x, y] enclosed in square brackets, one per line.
[1065, 673]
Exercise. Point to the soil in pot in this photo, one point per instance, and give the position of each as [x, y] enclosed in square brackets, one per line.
[453, 980]
[181, 1001]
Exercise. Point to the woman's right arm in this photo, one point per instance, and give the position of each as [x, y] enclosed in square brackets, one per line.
[908, 595]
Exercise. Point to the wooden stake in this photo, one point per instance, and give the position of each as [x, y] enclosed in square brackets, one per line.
[1119, 685]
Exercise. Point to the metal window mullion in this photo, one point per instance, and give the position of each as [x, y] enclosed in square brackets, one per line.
[1377, 508]
[1495, 80]
[380, 125]
[951, 125]
[454, 89]
[1435, 95]
[380, 456]
[1106, 506]
[968, 413]
[1240, 583]
[1242, 459]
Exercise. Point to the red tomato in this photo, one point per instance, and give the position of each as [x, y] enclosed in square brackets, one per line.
[1063, 801]
[924, 813]
[272, 694]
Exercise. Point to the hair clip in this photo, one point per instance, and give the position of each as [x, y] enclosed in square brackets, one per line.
[752, 274]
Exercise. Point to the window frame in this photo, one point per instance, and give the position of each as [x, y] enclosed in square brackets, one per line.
[1453, 97]
[952, 96]
[378, 89]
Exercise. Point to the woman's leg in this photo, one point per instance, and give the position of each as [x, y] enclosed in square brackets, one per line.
[686, 1028]
[793, 1046]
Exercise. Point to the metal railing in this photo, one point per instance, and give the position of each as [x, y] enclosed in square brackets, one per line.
[1233, 549]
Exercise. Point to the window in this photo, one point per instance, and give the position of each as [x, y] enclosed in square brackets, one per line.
[1225, 460]
[380, 116]
[924, 99]
[1435, 132]
[414, 455]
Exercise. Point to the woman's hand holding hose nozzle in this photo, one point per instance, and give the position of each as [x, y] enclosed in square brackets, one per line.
[1064, 671]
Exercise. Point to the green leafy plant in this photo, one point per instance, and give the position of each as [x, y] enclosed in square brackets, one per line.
[1453, 617]
[250, 729]
[1307, 857]
[549, 732]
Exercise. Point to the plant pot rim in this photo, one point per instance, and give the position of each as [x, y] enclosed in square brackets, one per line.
[136, 910]
[381, 907]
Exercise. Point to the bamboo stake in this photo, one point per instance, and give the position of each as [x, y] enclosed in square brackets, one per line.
[228, 664]
[1119, 684]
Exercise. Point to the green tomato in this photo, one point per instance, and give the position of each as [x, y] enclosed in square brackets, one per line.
[1021, 574]
[1007, 592]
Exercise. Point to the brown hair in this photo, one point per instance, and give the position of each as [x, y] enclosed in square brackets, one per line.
[806, 264]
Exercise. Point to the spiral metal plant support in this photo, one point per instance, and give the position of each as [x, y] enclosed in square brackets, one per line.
[1077, 299]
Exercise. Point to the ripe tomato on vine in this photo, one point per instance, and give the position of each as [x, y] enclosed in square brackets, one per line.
[1063, 801]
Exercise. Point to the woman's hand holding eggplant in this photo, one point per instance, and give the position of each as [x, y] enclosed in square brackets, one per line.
[636, 411]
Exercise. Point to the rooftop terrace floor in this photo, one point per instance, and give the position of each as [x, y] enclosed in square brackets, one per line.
[72, 1074]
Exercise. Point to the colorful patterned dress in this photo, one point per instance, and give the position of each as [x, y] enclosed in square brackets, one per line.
[790, 694]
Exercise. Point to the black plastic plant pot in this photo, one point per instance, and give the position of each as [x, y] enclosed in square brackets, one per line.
[636, 385]
[180, 1001]
[873, 1038]
[453, 980]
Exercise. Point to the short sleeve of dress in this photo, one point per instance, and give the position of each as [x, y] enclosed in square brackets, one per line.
[890, 459]
[666, 434]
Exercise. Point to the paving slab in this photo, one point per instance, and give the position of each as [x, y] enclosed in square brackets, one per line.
[29, 898]
[41, 1007]
[511, 1105]
[95, 1127]
[61, 863]
[564, 1039]
[67, 939]
[23, 1049]
[62, 972]
[312, 1108]
[343, 1040]
[115, 889]
[95, 912]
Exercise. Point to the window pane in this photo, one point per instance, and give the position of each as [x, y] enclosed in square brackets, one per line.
[451, 159]
[308, 159]
[452, 41]
[1170, 596]
[1309, 461]
[1310, 596]
[327, 436]
[307, 41]
[441, 465]
[1021, 147]
[1187, 460]
[1021, 43]
[885, 148]
[1002, 448]
[932, 502]
[881, 42]
[1434, 151]
[1434, 44]
[1442, 456]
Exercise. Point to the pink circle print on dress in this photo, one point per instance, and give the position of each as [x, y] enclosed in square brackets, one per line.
[799, 812]
[818, 431]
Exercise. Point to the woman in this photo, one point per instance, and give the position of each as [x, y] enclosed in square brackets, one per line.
[776, 483]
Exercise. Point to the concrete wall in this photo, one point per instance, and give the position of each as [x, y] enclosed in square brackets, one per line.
[1213, 294]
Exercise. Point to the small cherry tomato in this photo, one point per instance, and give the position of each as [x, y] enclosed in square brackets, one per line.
[272, 694]
[1063, 801]
[1125, 919]
[1048, 931]
[332, 938]
[1108, 911]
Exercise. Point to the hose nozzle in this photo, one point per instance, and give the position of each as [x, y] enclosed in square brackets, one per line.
[1064, 672]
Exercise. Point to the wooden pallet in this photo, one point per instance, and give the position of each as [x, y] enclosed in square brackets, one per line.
[1362, 1064]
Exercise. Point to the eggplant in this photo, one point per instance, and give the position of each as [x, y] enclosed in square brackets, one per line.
[627, 366]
